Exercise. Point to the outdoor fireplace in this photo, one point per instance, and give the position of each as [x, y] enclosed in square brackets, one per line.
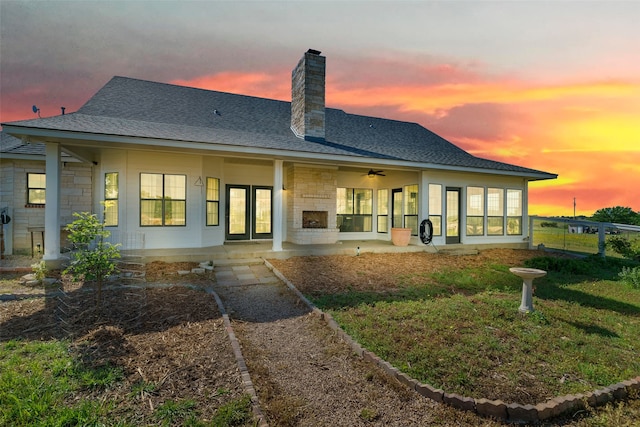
[314, 219]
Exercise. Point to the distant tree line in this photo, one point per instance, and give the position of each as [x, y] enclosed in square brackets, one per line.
[617, 214]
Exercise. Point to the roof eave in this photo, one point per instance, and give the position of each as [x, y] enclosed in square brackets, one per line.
[75, 137]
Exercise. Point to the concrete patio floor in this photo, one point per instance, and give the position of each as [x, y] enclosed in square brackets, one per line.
[263, 249]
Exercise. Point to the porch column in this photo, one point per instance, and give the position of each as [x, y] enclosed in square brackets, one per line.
[52, 203]
[278, 198]
[423, 197]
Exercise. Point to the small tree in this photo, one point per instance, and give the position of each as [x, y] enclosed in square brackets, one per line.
[628, 248]
[93, 258]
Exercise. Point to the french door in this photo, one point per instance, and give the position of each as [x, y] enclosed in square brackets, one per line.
[248, 213]
[452, 210]
[396, 208]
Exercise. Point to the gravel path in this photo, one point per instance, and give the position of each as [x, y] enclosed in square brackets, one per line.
[304, 375]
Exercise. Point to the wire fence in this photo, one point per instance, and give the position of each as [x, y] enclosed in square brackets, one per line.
[577, 236]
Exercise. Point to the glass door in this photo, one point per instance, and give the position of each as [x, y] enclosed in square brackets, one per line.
[396, 208]
[237, 212]
[262, 216]
[248, 212]
[453, 215]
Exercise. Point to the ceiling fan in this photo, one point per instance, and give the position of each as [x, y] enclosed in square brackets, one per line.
[373, 173]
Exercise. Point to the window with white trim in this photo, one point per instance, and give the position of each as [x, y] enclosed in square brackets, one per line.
[111, 196]
[514, 212]
[213, 201]
[411, 208]
[435, 208]
[383, 210]
[475, 211]
[354, 208]
[495, 211]
[36, 188]
[163, 200]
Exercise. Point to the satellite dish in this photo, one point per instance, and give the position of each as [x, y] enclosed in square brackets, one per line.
[35, 109]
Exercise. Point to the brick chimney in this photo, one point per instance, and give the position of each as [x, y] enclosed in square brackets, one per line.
[307, 96]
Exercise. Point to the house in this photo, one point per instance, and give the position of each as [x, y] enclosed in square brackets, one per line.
[177, 167]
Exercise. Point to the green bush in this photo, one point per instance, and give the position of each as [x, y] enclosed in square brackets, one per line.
[549, 224]
[628, 248]
[93, 258]
[594, 265]
[39, 270]
[560, 265]
[631, 276]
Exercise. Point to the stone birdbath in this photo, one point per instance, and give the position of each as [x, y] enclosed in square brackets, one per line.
[527, 275]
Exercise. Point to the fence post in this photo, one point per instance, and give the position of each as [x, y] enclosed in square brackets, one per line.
[530, 232]
[601, 240]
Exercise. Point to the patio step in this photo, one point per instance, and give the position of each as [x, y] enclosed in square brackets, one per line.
[236, 261]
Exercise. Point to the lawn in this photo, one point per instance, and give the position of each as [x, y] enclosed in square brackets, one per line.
[455, 324]
[144, 357]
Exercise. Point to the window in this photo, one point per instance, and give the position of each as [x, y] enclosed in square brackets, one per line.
[36, 185]
[495, 211]
[354, 207]
[111, 199]
[213, 201]
[383, 210]
[475, 211]
[435, 208]
[411, 208]
[163, 199]
[514, 212]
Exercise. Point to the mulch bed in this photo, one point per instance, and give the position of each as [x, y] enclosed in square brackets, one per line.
[380, 272]
[172, 337]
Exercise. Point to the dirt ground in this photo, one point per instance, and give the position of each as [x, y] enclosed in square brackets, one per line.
[170, 336]
[378, 272]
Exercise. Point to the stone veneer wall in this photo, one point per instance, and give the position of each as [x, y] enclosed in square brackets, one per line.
[311, 189]
[75, 196]
[308, 96]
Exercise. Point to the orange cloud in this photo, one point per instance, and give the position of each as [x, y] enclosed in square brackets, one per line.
[435, 99]
[587, 132]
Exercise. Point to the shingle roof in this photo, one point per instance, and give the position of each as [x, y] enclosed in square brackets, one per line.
[139, 108]
[12, 145]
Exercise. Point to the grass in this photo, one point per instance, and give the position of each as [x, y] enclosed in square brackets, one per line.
[461, 330]
[580, 243]
[39, 383]
[36, 379]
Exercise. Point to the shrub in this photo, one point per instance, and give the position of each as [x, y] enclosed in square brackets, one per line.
[549, 224]
[628, 248]
[631, 276]
[93, 258]
[594, 265]
[560, 265]
[39, 270]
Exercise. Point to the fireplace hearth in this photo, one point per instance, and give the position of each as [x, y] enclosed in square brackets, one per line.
[314, 219]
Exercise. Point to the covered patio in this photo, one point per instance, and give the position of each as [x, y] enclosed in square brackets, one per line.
[243, 251]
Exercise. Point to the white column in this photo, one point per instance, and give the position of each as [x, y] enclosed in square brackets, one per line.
[52, 203]
[423, 212]
[278, 201]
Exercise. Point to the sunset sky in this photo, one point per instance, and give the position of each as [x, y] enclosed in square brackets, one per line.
[553, 86]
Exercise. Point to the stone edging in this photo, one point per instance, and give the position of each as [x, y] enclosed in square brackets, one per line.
[242, 366]
[513, 412]
[16, 269]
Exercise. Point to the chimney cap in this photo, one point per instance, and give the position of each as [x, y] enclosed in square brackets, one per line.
[314, 52]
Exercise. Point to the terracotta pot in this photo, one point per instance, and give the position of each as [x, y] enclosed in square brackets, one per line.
[400, 236]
